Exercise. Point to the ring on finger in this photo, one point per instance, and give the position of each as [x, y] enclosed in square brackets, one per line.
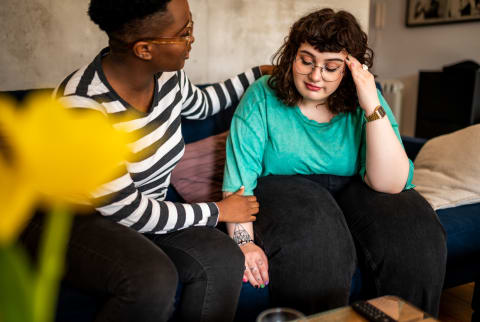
[364, 67]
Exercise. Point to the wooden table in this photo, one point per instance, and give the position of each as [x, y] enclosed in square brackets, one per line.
[394, 306]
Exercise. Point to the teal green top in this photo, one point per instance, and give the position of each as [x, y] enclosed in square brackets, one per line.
[268, 137]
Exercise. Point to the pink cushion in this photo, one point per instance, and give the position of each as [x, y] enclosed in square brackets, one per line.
[198, 176]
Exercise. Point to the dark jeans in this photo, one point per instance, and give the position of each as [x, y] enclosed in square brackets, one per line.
[139, 274]
[315, 230]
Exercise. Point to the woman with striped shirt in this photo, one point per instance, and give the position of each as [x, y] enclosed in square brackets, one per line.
[142, 246]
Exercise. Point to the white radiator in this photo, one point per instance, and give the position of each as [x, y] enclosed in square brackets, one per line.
[393, 91]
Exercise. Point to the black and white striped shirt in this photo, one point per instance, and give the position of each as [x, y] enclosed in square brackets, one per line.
[136, 199]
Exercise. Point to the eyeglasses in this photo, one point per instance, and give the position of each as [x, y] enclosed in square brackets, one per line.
[188, 39]
[329, 74]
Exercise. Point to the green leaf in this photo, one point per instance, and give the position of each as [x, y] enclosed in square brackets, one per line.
[16, 285]
[53, 247]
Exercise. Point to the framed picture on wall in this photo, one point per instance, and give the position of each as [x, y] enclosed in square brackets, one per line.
[432, 12]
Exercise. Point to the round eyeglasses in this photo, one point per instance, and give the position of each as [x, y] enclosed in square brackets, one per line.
[329, 73]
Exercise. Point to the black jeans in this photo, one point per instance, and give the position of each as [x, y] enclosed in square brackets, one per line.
[139, 274]
[315, 230]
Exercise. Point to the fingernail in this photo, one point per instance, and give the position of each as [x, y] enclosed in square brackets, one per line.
[245, 279]
[353, 64]
[267, 283]
[262, 286]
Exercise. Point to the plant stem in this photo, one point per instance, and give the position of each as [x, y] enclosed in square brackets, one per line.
[51, 262]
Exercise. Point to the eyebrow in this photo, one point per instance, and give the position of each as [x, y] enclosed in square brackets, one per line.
[327, 60]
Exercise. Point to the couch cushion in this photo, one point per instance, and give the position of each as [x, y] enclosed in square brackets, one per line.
[462, 225]
[447, 169]
[199, 174]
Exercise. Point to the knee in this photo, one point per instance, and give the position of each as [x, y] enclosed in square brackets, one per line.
[229, 255]
[422, 255]
[153, 282]
[423, 228]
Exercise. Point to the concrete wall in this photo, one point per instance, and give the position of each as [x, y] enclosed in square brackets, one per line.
[44, 40]
[233, 35]
[402, 52]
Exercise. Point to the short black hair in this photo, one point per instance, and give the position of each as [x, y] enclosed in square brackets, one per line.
[120, 17]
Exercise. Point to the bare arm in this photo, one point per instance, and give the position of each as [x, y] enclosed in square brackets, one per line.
[256, 262]
[386, 161]
[241, 233]
[387, 164]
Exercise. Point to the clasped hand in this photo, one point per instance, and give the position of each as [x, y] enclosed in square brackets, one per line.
[256, 265]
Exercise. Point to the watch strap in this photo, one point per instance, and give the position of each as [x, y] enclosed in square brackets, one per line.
[377, 114]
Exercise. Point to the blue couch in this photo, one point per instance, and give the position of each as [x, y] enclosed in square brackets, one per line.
[462, 225]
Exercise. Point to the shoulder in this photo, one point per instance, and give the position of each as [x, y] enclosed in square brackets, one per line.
[260, 100]
[81, 89]
[260, 91]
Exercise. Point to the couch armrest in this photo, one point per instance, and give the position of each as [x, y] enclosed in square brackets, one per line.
[412, 146]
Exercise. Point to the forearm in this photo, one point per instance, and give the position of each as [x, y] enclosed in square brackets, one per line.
[241, 233]
[238, 231]
[387, 164]
[121, 201]
[200, 103]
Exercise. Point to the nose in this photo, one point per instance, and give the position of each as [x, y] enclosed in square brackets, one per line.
[316, 74]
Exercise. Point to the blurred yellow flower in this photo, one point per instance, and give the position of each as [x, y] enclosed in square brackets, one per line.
[16, 198]
[53, 154]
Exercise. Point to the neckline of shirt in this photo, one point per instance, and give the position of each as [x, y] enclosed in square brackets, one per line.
[128, 106]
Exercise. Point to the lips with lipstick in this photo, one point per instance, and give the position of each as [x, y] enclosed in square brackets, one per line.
[312, 87]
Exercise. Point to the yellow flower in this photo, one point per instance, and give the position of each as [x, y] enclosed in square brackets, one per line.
[53, 153]
[16, 198]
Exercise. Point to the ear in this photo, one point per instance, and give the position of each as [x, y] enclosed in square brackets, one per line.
[143, 50]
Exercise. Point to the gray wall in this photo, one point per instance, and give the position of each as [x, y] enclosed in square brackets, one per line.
[44, 40]
[402, 52]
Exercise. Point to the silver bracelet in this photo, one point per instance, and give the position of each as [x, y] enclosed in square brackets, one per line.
[244, 242]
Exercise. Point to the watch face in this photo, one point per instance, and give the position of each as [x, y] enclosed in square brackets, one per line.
[376, 115]
[381, 111]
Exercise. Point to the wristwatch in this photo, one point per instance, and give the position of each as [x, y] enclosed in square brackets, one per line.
[377, 114]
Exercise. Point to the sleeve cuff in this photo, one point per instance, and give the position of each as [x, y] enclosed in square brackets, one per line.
[409, 184]
[214, 214]
[247, 192]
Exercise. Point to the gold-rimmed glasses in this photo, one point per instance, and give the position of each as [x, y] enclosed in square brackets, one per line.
[329, 73]
[188, 39]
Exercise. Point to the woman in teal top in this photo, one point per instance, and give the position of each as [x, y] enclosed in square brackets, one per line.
[280, 140]
[320, 148]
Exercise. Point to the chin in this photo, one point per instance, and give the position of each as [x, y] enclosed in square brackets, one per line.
[307, 95]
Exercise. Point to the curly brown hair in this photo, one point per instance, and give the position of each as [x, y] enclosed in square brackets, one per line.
[327, 31]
